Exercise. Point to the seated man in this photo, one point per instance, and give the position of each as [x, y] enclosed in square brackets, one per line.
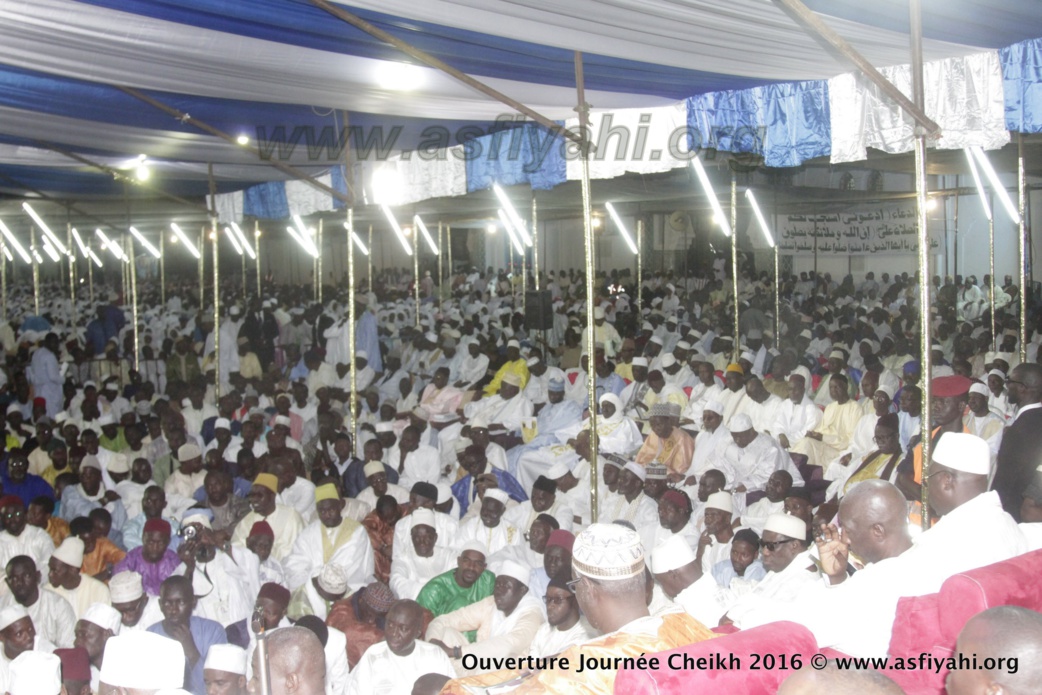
[100, 554]
[93, 630]
[196, 635]
[633, 505]
[224, 670]
[376, 477]
[41, 515]
[20, 538]
[488, 527]
[543, 500]
[468, 583]
[423, 560]
[138, 610]
[505, 622]
[563, 628]
[52, 615]
[667, 443]
[475, 462]
[79, 500]
[395, 664]
[153, 559]
[754, 456]
[332, 538]
[66, 580]
[284, 521]
[317, 596]
[361, 617]
[1012, 633]
[530, 553]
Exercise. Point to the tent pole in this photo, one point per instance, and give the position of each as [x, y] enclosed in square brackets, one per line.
[36, 270]
[591, 377]
[72, 264]
[318, 261]
[441, 266]
[1022, 243]
[416, 271]
[351, 318]
[216, 281]
[369, 258]
[916, 31]
[640, 267]
[202, 262]
[734, 261]
[162, 267]
[448, 241]
[133, 297]
[535, 242]
[256, 249]
[991, 262]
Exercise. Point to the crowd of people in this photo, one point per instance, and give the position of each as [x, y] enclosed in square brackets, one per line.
[220, 507]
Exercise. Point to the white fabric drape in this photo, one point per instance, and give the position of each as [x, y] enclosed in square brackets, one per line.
[643, 141]
[304, 199]
[963, 95]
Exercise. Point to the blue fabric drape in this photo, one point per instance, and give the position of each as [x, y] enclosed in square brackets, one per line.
[785, 123]
[266, 201]
[529, 154]
[1022, 85]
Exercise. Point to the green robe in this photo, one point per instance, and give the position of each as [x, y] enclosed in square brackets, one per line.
[443, 595]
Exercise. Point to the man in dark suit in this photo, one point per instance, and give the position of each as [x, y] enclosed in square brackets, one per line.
[1021, 450]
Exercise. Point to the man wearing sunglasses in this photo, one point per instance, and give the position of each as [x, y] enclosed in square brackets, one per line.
[1021, 448]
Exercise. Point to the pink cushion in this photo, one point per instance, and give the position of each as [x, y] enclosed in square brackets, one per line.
[776, 639]
[1010, 583]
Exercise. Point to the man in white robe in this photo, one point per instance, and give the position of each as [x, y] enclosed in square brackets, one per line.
[505, 622]
[52, 615]
[753, 456]
[423, 560]
[284, 521]
[66, 580]
[21, 538]
[489, 527]
[392, 666]
[798, 414]
[504, 410]
[415, 462]
[331, 539]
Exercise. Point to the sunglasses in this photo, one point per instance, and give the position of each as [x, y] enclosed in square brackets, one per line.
[772, 546]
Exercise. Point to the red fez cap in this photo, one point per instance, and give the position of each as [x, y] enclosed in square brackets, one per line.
[949, 386]
[262, 528]
[11, 501]
[75, 664]
[160, 525]
[39, 401]
[276, 592]
[678, 498]
[562, 538]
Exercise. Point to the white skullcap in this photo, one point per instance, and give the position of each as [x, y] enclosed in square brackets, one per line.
[512, 379]
[740, 423]
[640, 362]
[422, 517]
[118, 463]
[383, 427]
[90, 461]
[802, 372]
[532, 361]
[668, 360]
[608, 552]
[143, 660]
[226, 657]
[479, 421]
[655, 339]
[125, 587]
[511, 569]
[222, 423]
[333, 579]
[671, 554]
[786, 525]
[444, 492]
[513, 344]
[598, 313]
[721, 501]
[70, 552]
[200, 519]
[637, 470]
[888, 389]
[475, 545]
[683, 345]
[496, 494]
[979, 388]
[748, 356]
[558, 470]
[373, 468]
[838, 355]
[963, 452]
[282, 420]
[998, 372]
[754, 333]
[11, 615]
[363, 354]
[714, 407]
[104, 616]
[35, 673]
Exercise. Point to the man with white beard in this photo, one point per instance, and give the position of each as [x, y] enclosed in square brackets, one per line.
[423, 558]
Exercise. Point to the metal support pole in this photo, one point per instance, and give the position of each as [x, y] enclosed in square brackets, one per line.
[734, 261]
[3, 280]
[36, 270]
[441, 267]
[133, 299]
[369, 258]
[916, 31]
[591, 378]
[640, 265]
[777, 297]
[202, 263]
[955, 224]
[535, 241]
[162, 267]
[1022, 243]
[351, 319]
[524, 279]
[448, 241]
[991, 262]
[242, 257]
[72, 265]
[416, 272]
[216, 310]
[318, 262]
[256, 250]
[90, 286]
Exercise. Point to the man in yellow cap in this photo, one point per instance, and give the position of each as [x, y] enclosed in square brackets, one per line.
[331, 539]
[285, 521]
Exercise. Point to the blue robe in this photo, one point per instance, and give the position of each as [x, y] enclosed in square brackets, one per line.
[205, 634]
[367, 338]
[465, 493]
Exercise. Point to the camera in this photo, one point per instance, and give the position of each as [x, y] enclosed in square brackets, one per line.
[188, 533]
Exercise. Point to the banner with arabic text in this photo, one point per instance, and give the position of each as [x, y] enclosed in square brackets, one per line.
[881, 229]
